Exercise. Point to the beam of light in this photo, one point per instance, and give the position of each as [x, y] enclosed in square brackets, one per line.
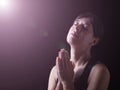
[4, 4]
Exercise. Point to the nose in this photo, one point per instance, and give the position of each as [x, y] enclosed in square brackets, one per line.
[79, 28]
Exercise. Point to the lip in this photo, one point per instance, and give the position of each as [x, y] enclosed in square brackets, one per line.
[74, 34]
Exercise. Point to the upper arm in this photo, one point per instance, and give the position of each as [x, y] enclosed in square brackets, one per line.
[52, 79]
[99, 78]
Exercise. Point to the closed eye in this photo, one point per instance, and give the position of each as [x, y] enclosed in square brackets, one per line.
[76, 23]
[85, 26]
[82, 27]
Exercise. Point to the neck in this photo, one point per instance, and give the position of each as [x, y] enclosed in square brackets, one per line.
[79, 56]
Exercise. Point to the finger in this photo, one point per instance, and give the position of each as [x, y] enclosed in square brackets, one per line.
[64, 59]
[57, 67]
[57, 63]
[60, 65]
[68, 62]
[60, 53]
[62, 56]
[67, 59]
[67, 55]
[72, 65]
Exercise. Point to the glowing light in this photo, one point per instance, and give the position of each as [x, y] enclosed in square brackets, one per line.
[4, 3]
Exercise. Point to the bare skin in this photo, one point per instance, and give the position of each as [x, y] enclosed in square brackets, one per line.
[68, 68]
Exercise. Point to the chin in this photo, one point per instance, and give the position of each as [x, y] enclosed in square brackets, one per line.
[72, 41]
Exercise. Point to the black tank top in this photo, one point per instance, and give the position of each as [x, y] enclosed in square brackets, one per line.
[81, 83]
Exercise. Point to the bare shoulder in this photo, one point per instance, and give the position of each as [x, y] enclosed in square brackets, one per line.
[54, 72]
[100, 68]
[53, 68]
[99, 77]
[52, 79]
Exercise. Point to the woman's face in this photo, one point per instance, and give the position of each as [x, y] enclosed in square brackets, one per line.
[81, 32]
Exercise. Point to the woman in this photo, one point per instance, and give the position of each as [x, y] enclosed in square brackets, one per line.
[80, 71]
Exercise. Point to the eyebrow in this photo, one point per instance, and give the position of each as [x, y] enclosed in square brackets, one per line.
[88, 23]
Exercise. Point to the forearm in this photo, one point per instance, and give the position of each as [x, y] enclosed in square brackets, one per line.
[59, 86]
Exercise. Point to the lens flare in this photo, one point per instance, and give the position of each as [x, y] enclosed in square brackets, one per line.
[4, 4]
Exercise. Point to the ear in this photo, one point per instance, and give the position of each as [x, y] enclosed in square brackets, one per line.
[95, 41]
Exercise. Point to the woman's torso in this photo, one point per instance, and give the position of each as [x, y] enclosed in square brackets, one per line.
[81, 75]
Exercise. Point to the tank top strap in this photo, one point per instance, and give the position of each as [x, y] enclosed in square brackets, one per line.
[88, 68]
[81, 83]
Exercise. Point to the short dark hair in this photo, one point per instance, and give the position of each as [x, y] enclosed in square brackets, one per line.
[97, 24]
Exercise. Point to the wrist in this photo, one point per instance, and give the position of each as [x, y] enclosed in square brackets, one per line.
[68, 86]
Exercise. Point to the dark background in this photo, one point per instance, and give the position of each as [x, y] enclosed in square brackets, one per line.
[33, 31]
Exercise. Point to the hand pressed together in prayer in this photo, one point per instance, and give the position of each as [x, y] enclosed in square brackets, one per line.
[64, 68]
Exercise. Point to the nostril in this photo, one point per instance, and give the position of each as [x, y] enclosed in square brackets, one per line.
[77, 27]
[80, 27]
